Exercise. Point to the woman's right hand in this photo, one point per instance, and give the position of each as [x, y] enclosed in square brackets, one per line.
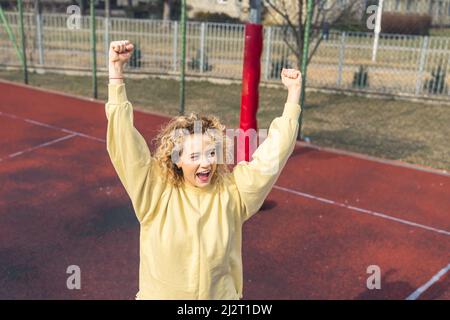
[119, 54]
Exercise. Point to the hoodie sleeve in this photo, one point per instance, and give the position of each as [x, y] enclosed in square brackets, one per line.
[256, 178]
[129, 151]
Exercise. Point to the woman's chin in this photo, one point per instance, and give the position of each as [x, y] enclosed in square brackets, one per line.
[202, 184]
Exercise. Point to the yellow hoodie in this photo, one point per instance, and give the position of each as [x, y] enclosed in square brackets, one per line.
[190, 239]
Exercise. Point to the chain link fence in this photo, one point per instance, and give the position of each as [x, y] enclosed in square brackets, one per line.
[416, 66]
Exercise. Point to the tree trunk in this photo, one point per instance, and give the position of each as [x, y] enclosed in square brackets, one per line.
[299, 55]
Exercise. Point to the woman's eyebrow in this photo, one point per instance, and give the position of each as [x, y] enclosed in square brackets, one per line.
[208, 150]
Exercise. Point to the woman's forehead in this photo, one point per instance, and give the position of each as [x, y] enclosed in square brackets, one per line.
[197, 141]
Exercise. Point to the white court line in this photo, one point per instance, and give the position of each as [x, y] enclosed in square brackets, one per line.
[373, 213]
[13, 155]
[51, 126]
[413, 296]
[139, 109]
[381, 215]
[433, 280]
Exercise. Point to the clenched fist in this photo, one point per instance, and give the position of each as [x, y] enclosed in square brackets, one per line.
[120, 51]
[291, 78]
[119, 54]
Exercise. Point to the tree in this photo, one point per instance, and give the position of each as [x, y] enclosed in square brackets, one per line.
[325, 13]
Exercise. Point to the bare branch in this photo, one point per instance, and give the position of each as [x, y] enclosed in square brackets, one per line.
[344, 11]
[284, 15]
[319, 40]
[320, 14]
[286, 40]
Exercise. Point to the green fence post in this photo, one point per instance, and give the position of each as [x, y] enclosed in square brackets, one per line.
[93, 47]
[11, 35]
[22, 37]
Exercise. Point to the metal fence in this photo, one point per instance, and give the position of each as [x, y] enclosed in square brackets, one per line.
[405, 65]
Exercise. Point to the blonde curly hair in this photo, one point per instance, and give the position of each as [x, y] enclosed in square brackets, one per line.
[169, 140]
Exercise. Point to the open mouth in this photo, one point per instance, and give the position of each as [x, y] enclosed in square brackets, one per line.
[203, 176]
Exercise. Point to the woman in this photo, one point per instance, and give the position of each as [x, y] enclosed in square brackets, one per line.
[191, 208]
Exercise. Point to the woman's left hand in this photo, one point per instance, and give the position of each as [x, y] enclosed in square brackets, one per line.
[291, 78]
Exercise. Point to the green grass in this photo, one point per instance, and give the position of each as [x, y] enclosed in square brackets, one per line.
[412, 132]
[440, 32]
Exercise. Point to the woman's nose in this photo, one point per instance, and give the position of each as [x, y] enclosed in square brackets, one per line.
[205, 162]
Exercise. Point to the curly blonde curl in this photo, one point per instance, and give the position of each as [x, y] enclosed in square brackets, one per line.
[169, 140]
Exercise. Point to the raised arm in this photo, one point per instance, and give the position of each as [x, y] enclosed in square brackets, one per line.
[126, 147]
[256, 178]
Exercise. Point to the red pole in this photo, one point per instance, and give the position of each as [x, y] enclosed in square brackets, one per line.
[250, 88]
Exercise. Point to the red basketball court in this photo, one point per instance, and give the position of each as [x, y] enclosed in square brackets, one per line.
[330, 216]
